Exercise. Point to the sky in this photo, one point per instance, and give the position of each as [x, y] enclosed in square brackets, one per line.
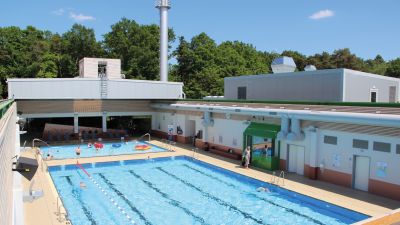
[367, 27]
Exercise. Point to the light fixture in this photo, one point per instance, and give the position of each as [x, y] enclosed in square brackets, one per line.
[25, 166]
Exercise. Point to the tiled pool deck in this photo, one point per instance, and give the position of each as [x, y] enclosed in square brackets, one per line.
[44, 210]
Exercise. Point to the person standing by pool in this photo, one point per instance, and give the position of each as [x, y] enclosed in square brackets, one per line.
[78, 151]
[247, 157]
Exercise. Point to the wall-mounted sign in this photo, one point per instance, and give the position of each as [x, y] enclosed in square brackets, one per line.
[336, 160]
[381, 168]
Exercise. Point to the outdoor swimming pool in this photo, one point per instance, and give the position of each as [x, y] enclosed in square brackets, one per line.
[116, 148]
[180, 190]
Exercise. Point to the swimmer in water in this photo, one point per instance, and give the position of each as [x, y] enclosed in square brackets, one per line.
[82, 185]
[263, 189]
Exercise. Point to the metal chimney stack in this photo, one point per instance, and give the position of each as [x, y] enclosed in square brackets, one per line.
[163, 6]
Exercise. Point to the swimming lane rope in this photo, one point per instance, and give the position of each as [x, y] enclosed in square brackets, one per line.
[105, 193]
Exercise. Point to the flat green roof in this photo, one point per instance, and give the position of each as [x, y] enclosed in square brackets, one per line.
[357, 104]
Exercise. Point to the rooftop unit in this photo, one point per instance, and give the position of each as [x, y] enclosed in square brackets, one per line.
[283, 65]
[310, 68]
[100, 68]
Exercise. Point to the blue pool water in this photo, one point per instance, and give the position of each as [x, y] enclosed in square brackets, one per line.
[117, 148]
[183, 191]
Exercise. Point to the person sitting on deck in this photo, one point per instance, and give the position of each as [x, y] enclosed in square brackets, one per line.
[49, 157]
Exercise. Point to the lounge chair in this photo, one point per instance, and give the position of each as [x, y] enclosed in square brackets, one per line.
[85, 135]
[31, 194]
[58, 136]
[49, 137]
[94, 135]
[110, 134]
[67, 135]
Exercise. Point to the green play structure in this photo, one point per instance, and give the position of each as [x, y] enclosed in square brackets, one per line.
[264, 148]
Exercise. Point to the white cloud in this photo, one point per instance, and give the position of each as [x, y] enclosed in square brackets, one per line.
[322, 14]
[58, 12]
[80, 17]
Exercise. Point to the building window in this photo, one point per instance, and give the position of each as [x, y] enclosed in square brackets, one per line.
[220, 139]
[242, 92]
[381, 146]
[398, 149]
[362, 144]
[102, 69]
[332, 140]
[234, 142]
[374, 95]
[392, 94]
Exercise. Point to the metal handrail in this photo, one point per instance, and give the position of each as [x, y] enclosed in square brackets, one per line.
[144, 135]
[273, 177]
[282, 176]
[194, 152]
[37, 139]
[276, 179]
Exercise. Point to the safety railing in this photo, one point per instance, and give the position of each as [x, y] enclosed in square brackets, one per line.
[277, 179]
[144, 135]
[62, 215]
[195, 152]
[4, 106]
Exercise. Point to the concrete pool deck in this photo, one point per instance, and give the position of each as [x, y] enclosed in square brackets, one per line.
[44, 210]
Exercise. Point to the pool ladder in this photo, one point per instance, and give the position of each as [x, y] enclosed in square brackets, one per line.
[144, 135]
[168, 144]
[276, 179]
[62, 216]
[195, 150]
[37, 139]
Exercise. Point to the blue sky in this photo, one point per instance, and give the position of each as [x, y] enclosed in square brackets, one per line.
[367, 27]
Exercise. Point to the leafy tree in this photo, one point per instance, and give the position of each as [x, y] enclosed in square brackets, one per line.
[48, 66]
[203, 65]
[393, 69]
[321, 61]
[376, 65]
[77, 43]
[137, 46]
[343, 58]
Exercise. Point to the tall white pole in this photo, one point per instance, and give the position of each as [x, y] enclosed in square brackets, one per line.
[163, 6]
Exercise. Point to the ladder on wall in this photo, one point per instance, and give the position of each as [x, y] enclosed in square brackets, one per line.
[103, 86]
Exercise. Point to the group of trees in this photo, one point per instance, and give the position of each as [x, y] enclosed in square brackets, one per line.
[201, 63]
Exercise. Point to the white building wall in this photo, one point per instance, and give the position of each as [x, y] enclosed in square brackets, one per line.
[143, 89]
[340, 157]
[88, 68]
[89, 88]
[230, 131]
[358, 86]
[7, 151]
[227, 132]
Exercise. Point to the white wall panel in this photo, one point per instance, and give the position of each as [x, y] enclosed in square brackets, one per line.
[7, 151]
[89, 88]
[340, 157]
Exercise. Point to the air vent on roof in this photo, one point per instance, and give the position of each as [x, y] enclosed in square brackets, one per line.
[283, 65]
[310, 68]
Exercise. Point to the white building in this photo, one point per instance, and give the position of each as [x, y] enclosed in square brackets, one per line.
[351, 144]
[356, 146]
[100, 67]
[329, 85]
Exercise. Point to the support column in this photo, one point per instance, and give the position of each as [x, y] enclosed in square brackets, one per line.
[313, 143]
[104, 122]
[76, 124]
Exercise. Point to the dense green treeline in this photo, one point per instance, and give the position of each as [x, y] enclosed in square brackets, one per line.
[201, 62]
